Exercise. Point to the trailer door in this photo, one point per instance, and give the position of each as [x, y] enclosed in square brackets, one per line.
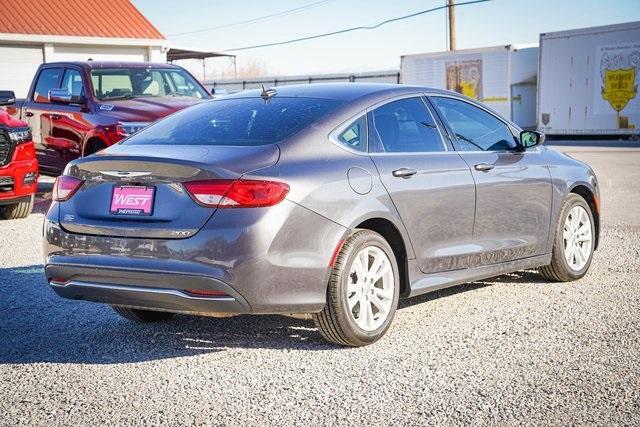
[523, 105]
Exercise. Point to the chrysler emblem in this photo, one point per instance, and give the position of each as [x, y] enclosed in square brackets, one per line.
[125, 174]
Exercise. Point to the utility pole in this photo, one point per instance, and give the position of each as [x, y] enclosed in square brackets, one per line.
[452, 24]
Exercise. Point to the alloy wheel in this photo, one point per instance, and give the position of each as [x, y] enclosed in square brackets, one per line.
[577, 238]
[370, 291]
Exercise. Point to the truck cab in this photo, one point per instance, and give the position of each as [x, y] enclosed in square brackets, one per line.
[18, 164]
[78, 108]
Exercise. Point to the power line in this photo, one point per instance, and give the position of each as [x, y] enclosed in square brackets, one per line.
[347, 30]
[251, 21]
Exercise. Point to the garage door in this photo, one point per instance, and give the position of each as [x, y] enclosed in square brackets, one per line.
[19, 64]
[98, 53]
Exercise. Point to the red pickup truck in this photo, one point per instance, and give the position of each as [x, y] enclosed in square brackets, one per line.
[77, 108]
[18, 164]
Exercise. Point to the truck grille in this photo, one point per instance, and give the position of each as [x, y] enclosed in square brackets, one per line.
[5, 148]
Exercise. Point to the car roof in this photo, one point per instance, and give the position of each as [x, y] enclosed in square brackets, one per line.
[355, 95]
[110, 64]
[339, 91]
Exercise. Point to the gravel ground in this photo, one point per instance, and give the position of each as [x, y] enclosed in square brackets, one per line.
[512, 350]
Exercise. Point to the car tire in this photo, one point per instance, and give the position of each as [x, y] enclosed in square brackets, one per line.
[141, 316]
[93, 146]
[564, 266]
[343, 320]
[17, 210]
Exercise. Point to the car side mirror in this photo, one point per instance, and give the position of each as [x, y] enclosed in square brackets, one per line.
[60, 96]
[7, 97]
[530, 138]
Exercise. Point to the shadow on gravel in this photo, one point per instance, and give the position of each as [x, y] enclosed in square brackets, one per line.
[526, 276]
[37, 326]
[43, 197]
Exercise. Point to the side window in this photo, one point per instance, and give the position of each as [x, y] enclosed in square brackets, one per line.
[474, 128]
[405, 126]
[47, 80]
[182, 85]
[111, 84]
[72, 81]
[355, 137]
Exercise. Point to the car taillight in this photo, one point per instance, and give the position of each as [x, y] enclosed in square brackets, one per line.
[65, 187]
[229, 193]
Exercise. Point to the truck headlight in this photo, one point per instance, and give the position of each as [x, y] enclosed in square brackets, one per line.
[129, 128]
[20, 135]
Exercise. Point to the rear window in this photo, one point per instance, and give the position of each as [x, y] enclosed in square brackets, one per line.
[238, 122]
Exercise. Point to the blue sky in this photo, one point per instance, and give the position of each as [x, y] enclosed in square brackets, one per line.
[486, 24]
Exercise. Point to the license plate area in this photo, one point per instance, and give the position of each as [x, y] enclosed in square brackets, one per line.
[132, 200]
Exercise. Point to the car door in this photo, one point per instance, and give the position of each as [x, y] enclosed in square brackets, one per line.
[68, 125]
[37, 112]
[513, 186]
[430, 185]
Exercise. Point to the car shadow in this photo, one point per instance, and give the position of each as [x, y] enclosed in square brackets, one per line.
[38, 326]
[43, 197]
[525, 276]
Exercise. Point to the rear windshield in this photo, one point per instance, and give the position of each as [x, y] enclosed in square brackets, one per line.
[237, 121]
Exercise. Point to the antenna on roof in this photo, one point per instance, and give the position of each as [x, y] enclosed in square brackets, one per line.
[267, 94]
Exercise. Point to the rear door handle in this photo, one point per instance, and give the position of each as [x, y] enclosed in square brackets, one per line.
[484, 167]
[404, 173]
[28, 114]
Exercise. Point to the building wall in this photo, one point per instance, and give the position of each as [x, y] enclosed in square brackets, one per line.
[19, 64]
[19, 61]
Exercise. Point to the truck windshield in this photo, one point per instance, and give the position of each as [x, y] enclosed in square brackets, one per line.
[237, 122]
[122, 83]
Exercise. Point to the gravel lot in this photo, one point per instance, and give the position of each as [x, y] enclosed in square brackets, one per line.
[512, 350]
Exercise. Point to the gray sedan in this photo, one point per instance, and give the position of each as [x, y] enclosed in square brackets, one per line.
[325, 201]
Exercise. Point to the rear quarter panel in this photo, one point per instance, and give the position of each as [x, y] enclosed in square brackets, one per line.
[333, 182]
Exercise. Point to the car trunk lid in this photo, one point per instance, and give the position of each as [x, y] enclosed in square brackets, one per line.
[140, 193]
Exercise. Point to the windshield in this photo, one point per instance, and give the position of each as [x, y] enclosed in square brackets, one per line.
[122, 83]
[239, 122]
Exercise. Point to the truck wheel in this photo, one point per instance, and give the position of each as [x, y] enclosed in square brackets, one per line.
[363, 292]
[573, 242]
[141, 316]
[17, 210]
[93, 146]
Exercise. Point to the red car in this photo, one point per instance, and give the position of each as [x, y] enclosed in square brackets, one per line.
[77, 108]
[18, 164]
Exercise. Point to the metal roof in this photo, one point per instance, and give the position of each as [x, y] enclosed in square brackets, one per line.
[176, 53]
[76, 18]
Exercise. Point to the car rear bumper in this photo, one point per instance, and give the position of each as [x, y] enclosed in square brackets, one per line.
[270, 261]
[154, 290]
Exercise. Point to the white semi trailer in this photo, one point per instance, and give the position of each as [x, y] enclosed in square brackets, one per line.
[588, 81]
[503, 77]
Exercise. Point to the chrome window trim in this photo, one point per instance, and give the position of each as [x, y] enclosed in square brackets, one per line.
[333, 135]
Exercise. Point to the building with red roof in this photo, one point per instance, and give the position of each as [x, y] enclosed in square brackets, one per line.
[37, 31]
